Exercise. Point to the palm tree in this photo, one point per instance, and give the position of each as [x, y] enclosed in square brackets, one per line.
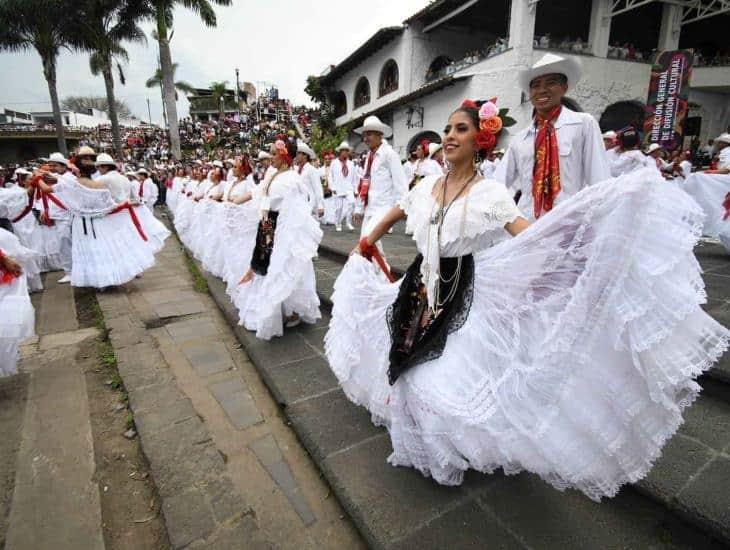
[180, 85]
[102, 27]
[44, 26]
[163, 14]
[218, 91]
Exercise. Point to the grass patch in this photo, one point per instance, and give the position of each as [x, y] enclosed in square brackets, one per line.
[105, 352]
[199, 282]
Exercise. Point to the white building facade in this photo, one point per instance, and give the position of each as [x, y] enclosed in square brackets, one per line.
[415, 75]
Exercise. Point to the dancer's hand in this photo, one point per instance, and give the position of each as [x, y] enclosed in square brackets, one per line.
[9, 265]
[357, 218]
[320, 212]
[247, 278]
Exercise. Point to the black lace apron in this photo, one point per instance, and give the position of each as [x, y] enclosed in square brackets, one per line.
[416, 335]
[264, 244]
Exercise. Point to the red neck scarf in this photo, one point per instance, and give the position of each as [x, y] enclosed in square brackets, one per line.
[546, 172]
[345, 170]
[141, 189]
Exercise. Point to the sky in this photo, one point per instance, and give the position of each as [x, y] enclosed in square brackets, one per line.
[272, 41]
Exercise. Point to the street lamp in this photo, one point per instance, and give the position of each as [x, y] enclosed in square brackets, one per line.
[238, 87]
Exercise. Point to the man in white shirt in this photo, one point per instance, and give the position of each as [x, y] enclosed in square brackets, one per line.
[266, 171]
[310, 178]
[147, 190]
[118, 185]
[61, 218]
[576, 136]
[343, 180]
[383, 181]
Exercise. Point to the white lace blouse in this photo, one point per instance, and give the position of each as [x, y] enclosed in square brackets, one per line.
[473, 223]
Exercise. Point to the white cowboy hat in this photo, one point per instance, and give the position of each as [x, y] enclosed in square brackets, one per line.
[653, 147]
[129, 174]
[343, 145]
[104, 159]
[229, 161]
[724, 137]
[142, 171]
[85, 150]
[217, 164]
[59, 158]
[374, 124]
[306, 149]
[551, 63]
[21, 171]
[499, 152]
[433, 148]
[263, 155]
[609, 135]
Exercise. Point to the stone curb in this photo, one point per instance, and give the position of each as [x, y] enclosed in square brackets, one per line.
[199, 503]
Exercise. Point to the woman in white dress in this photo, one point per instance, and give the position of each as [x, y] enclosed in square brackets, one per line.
[111, 244]
[279, 286]
[240, 220]
[628, 157]
[569, 350]
[17, 317]
[186, 206]
[28, 230]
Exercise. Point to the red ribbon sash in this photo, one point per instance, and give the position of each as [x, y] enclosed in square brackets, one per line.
[726, 206]
[133, 215]
[370, 252]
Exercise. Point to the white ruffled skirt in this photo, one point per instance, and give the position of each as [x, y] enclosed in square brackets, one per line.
[577, 356]
[290, 285]
[709, 190]
[30, 235]
[109, 250]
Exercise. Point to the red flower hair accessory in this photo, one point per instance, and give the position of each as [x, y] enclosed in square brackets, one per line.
[491, 122]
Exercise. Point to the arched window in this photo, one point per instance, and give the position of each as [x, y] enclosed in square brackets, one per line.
[339, 103]
[362, 92]
[432, 137]
[437, 66]
[388, 78]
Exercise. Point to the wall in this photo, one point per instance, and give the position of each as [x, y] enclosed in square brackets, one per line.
[714, 108]
[370, 68]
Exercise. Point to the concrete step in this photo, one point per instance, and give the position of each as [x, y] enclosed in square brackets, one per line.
[692, 477]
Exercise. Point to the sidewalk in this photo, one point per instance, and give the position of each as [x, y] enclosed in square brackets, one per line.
[228, 468]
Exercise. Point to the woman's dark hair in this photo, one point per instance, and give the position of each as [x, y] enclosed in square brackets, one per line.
[471, 108]
[628, 138]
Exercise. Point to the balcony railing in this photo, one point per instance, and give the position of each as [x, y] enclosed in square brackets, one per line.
[469, 59]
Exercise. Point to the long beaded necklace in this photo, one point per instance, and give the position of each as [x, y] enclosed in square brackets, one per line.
[437, 219]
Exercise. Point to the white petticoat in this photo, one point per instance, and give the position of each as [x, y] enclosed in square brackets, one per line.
[709, 190]
[290, 284]
[29, 234]
[110, 251]
[577, 357]
[154, 229]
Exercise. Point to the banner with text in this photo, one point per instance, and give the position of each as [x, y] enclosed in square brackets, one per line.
[668, 102]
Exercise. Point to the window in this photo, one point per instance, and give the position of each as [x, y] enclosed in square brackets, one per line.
[339, 103]
[388, 78]
[362, 92]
